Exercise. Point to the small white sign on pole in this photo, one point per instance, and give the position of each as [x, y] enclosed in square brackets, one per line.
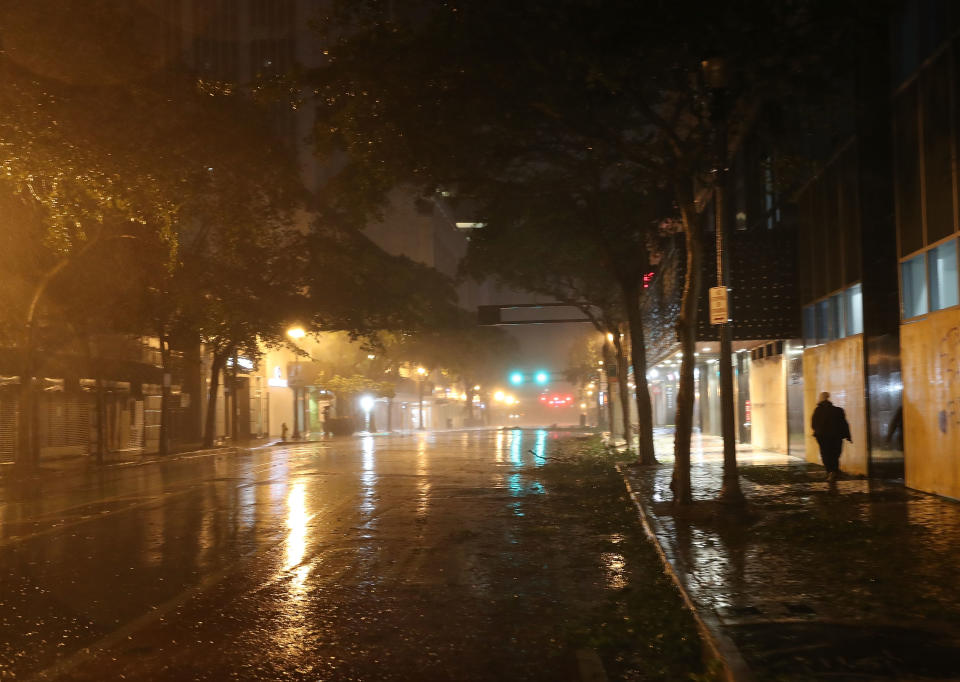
[719, 312]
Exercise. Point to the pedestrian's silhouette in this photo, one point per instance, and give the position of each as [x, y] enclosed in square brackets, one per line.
[283, 431]
[830, 428]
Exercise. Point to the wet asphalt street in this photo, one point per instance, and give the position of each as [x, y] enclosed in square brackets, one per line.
[386, 557]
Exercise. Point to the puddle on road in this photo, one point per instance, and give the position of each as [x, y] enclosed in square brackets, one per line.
[616, 567]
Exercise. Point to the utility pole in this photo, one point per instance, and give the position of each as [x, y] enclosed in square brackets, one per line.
[715, 74]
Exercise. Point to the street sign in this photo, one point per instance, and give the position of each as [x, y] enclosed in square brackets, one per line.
[529, 313]
[719, 311]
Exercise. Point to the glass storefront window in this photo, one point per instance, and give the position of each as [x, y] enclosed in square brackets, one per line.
[823, 322]
[913, 276]
[943, 276]
[854, 309]
[809, 326]
[836, 317]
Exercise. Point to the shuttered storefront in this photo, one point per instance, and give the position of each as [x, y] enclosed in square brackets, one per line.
[65, 423]
[8, 428]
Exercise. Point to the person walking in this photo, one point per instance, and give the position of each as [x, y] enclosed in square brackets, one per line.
[830, 428]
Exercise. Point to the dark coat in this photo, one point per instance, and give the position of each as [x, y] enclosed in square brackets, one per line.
[829, 423]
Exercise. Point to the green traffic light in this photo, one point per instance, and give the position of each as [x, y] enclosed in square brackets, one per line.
[516, 378]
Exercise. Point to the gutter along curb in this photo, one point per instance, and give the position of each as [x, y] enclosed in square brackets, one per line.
[717, 646]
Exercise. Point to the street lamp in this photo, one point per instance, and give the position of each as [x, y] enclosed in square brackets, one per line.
[366, 404]
[422, 372]
[715, 77]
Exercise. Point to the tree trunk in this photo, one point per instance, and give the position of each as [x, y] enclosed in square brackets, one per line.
[211, 421]
[101, 407]
[687, 335]
[101, 417]
[163, 445]
[27, 448]
[607, 361]
[390, 414]
[623, 389]
[234, 404]
[638, 353]
[469, 405]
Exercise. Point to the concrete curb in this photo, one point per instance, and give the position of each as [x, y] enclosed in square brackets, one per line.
[716, 644]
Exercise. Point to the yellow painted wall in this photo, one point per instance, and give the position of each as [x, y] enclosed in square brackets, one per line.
[768, 402]
[930, 358]
[837, 367]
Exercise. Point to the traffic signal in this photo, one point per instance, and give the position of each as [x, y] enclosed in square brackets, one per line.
[516, 378]
[541, 377]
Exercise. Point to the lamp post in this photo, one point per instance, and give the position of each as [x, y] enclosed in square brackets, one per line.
[715, 77]
[422, 372]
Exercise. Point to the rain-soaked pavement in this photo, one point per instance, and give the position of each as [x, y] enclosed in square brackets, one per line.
[450, 556]
[856, 582]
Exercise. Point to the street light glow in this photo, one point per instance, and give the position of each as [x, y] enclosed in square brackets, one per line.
[296, 332]
[366, 403]
[499, 396]
[421, 371]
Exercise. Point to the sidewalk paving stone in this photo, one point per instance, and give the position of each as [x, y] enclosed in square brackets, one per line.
[856, 581]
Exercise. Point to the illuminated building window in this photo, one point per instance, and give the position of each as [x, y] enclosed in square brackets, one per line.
[836, 328]
[823, 321]
[809, 326]
[853, 307]
[942, 263]
[913, 278]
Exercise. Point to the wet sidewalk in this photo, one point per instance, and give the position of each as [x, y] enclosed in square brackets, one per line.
[860, 581]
